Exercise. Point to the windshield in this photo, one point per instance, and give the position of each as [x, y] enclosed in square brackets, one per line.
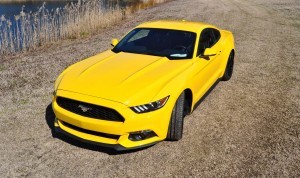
[173, 44]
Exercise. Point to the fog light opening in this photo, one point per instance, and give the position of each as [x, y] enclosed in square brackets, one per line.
[141, 135]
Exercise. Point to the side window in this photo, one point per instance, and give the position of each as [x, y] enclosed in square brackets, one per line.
[216, 34]
[208, 38]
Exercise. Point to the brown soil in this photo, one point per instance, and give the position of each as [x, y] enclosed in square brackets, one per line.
[249, 126]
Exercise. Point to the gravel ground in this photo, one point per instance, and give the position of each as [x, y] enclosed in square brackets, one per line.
[247, 127]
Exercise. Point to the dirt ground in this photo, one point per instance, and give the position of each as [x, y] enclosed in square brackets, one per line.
[247, 127]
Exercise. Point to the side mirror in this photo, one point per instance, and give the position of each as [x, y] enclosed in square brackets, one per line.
[114, 42]
[208, 53]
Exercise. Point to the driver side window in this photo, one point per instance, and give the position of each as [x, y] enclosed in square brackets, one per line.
[207, 40]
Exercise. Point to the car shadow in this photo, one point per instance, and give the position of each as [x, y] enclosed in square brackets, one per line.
[50, 117]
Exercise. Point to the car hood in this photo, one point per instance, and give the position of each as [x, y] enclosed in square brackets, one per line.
[121, 77]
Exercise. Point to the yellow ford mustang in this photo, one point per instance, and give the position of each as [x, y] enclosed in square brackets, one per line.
[138, 93]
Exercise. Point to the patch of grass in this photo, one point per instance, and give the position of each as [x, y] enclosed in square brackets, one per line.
[2, 68]
[23, 101]
[84, 34]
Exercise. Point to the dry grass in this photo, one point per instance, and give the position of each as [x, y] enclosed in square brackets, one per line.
[10, 1]
[247, 127]
[73, 21]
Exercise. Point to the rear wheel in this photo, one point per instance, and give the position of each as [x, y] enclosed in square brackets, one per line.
[176, 122]
[229, 67]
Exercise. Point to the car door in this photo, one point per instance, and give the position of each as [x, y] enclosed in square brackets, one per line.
[206, 69]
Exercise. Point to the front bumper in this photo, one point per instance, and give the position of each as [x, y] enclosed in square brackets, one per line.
[116, 147]
[110, 133]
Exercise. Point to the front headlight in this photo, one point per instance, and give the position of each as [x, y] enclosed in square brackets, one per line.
[150, 106]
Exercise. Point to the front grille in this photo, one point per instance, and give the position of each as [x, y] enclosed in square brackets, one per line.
[89, 110]
[100, 134]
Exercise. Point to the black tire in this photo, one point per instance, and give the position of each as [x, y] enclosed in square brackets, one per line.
[176, 121]
[229, 67]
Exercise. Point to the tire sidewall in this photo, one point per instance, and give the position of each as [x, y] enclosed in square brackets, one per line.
[175, 129]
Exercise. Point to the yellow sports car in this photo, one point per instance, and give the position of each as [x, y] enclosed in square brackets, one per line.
[137, 93]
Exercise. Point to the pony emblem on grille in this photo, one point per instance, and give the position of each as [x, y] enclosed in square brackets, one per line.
[84, 108]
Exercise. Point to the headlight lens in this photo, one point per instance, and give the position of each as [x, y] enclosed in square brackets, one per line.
[150, 106]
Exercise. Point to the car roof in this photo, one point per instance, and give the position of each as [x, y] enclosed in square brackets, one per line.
[176, 25]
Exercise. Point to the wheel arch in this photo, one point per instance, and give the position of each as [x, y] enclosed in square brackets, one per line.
[224, 63]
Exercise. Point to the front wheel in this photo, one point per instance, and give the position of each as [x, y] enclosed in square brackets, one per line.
[176, 122]
[229, 67]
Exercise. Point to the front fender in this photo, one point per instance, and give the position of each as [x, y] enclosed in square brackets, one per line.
[228, 46]
[176, 85]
